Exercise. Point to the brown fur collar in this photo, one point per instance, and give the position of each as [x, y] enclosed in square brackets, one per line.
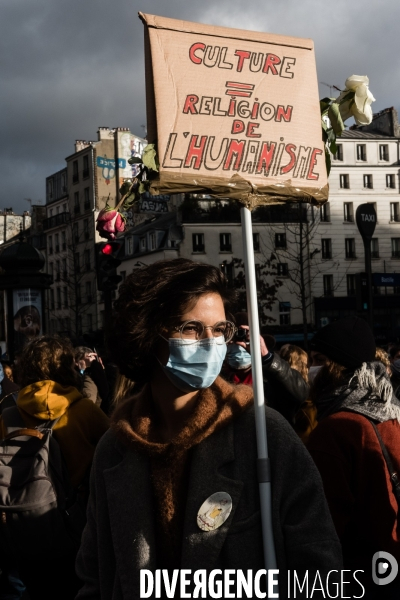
[135, 424]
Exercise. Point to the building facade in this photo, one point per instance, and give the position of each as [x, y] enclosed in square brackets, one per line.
[74, 197]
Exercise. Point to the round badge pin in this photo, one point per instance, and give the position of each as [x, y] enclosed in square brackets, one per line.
[214, 511]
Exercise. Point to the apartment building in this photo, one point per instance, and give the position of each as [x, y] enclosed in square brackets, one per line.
[74, 197]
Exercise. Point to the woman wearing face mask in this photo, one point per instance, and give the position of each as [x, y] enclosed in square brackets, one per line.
[185, 436]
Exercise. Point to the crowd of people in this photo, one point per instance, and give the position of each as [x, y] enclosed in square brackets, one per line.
[144, 443]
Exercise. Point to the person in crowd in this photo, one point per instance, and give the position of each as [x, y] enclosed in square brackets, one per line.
[394, 354]
[305, 420]
[95, 384]
[382, 356]
[186, 435]
[51, 389]
[354, 399]
[9, 388]
[123, 388]
[284, 387]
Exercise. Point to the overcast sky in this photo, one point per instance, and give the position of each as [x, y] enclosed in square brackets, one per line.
[70, 66]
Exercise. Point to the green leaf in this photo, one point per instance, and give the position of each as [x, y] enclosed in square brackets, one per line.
[324, 104]
[125, 187]
[347, 97]
[149, 157]
[328, 160]
[335, 118]
[135, 160]
[333, 147]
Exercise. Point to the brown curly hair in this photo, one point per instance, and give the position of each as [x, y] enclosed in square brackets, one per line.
[297, 359]
[150, 300]
[48, 358]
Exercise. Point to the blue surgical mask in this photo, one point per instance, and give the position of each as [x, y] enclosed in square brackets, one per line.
[238, 357]
[194, 365]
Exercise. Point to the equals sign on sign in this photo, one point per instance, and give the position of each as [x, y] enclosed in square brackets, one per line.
[239, 89]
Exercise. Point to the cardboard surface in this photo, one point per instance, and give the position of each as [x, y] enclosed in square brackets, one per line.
[234, 113]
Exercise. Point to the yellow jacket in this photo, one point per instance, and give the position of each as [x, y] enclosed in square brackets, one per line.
[79, 429]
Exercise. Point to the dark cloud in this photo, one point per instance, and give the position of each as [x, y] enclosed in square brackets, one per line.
[70, 66]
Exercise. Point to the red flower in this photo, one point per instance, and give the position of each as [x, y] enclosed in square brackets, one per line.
[109, 222]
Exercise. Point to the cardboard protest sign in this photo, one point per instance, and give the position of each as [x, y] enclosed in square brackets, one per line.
[234, 113]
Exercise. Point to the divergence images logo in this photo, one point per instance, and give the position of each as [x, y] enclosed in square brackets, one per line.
[384, 568]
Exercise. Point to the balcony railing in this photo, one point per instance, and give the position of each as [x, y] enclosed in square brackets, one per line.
[60, 219]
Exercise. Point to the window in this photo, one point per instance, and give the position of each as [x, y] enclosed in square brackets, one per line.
[76, 232]
[256, 242]
[280, 240]
[326, 248]
[57, 241]
[88, 290]
[361, 152]
[367, 181]
[129, 245]
[152, 241]
[328, 285]
[63, 241]
[391, 181]
[374, 248]
[384, 152]
[86, 259]
[198, 242]
[63, 183]
[143, 244]
[58, 297]
[395, 212]
[339, 152]
[350, 246]
[284, 313]
[51, 267]
[225, 242]
[85, 167]
[58, 274]
[50, 244]
[65, 297]
[325, 212]
[52, 299]
[75, 173]
[344, 181]
[86, 229]
[77, 208]
[351, 285]
[80, 325]
[395, 247]
[90, 321]
[77, 262]
[64, 269]
[348, 213]
[65, 209]
[50, 187]
[282, 270]
[227, 269]
[86, 199]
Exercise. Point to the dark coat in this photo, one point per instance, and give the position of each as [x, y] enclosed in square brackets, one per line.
[284, 388]
[119, 538]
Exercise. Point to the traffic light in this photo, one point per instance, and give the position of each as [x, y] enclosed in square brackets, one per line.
[106, 265]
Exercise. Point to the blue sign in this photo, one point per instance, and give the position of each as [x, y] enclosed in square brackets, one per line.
[103, 161]
[386, 279]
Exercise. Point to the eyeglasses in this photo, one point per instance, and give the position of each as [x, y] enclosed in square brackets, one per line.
[194, 330]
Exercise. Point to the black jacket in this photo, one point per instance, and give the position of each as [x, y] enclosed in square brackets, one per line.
[284, 388]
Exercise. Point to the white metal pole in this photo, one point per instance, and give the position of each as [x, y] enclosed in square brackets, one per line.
[264, 471]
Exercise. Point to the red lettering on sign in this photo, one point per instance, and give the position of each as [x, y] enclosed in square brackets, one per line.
[290, 149]
[238, 126]
[195, 151]
[270, 61]
[190, 102]
[265, 158]
[313, 162]
[242, 55]
[282, 113]
[235, 150]
[250, 130]
[197, 46]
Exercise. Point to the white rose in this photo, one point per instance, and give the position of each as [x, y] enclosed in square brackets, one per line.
[361, 107]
